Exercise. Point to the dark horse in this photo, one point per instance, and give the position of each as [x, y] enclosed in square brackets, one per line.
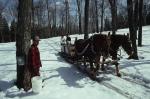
[102, 45]
[92, 48]
[115, 42]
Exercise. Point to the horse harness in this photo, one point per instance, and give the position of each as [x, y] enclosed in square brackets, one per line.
[91, 44]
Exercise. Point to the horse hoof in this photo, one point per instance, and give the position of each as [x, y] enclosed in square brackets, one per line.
[119, 75]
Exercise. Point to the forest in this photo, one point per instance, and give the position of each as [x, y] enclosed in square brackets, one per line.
[51, 18]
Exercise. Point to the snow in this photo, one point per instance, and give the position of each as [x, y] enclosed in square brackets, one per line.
[63, 81]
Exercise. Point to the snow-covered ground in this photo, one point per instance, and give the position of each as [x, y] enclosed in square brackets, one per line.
[64, 81]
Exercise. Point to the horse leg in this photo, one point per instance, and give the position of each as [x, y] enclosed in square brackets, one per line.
[84, 62]
[91, 64]
[102, 64]
[92, 69]
[102, 59]
[97, 62]
[117, 69]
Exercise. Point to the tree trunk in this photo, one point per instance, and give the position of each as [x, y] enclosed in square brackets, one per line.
[136, 16]
[131, 28]
[86, 19]
[23, 42]
[33, 14]
[102, 15]
[2, 37]
[114, 15]
[79, 12]
[140, 23]
[47, 5]
[62, 21]
[67, 16]
[54, 22]
[96, 11]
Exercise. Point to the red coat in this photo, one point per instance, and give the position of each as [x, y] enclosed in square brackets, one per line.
[34, 60]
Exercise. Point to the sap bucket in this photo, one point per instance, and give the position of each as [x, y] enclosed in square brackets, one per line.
[36, 84]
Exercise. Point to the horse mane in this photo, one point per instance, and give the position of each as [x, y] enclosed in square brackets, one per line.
[118, 37]
[99, 36]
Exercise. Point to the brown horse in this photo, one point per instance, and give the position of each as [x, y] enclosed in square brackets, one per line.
[92, 48]
[103, 45]
[83, 51]
[116, 42]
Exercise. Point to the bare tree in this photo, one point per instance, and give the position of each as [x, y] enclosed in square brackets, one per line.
[92, 17]
[1, 29]
[13, 30]
[79, 3]
[48, 13]
[140, 22]
[114, 15]
[132, 28]
[33, 14]
[86, 19]
[62, 17]
[67, 16]
[55, 15]
[12, 10]
[102, 15]
[23, 43]
[96, 17]
[122, 17]
[2, 7]
[135, 12]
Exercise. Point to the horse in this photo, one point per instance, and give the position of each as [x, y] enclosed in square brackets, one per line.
[92, 48]
[103, 45]
[116, 42]
[82, 51]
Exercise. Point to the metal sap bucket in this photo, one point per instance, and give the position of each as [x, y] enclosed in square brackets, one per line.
[36, 84]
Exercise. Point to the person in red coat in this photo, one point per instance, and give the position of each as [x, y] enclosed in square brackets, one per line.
[34, 58]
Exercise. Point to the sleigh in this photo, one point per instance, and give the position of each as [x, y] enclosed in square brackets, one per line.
[68, 51]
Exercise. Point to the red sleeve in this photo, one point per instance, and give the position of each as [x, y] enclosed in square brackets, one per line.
[33, 57]
[40, 64]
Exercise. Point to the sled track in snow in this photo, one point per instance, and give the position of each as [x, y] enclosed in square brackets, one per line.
[110, 86]
[130, 80]
[125, 93]
[136, 80]
[115, 89]
[51, 45]
[133, 79]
